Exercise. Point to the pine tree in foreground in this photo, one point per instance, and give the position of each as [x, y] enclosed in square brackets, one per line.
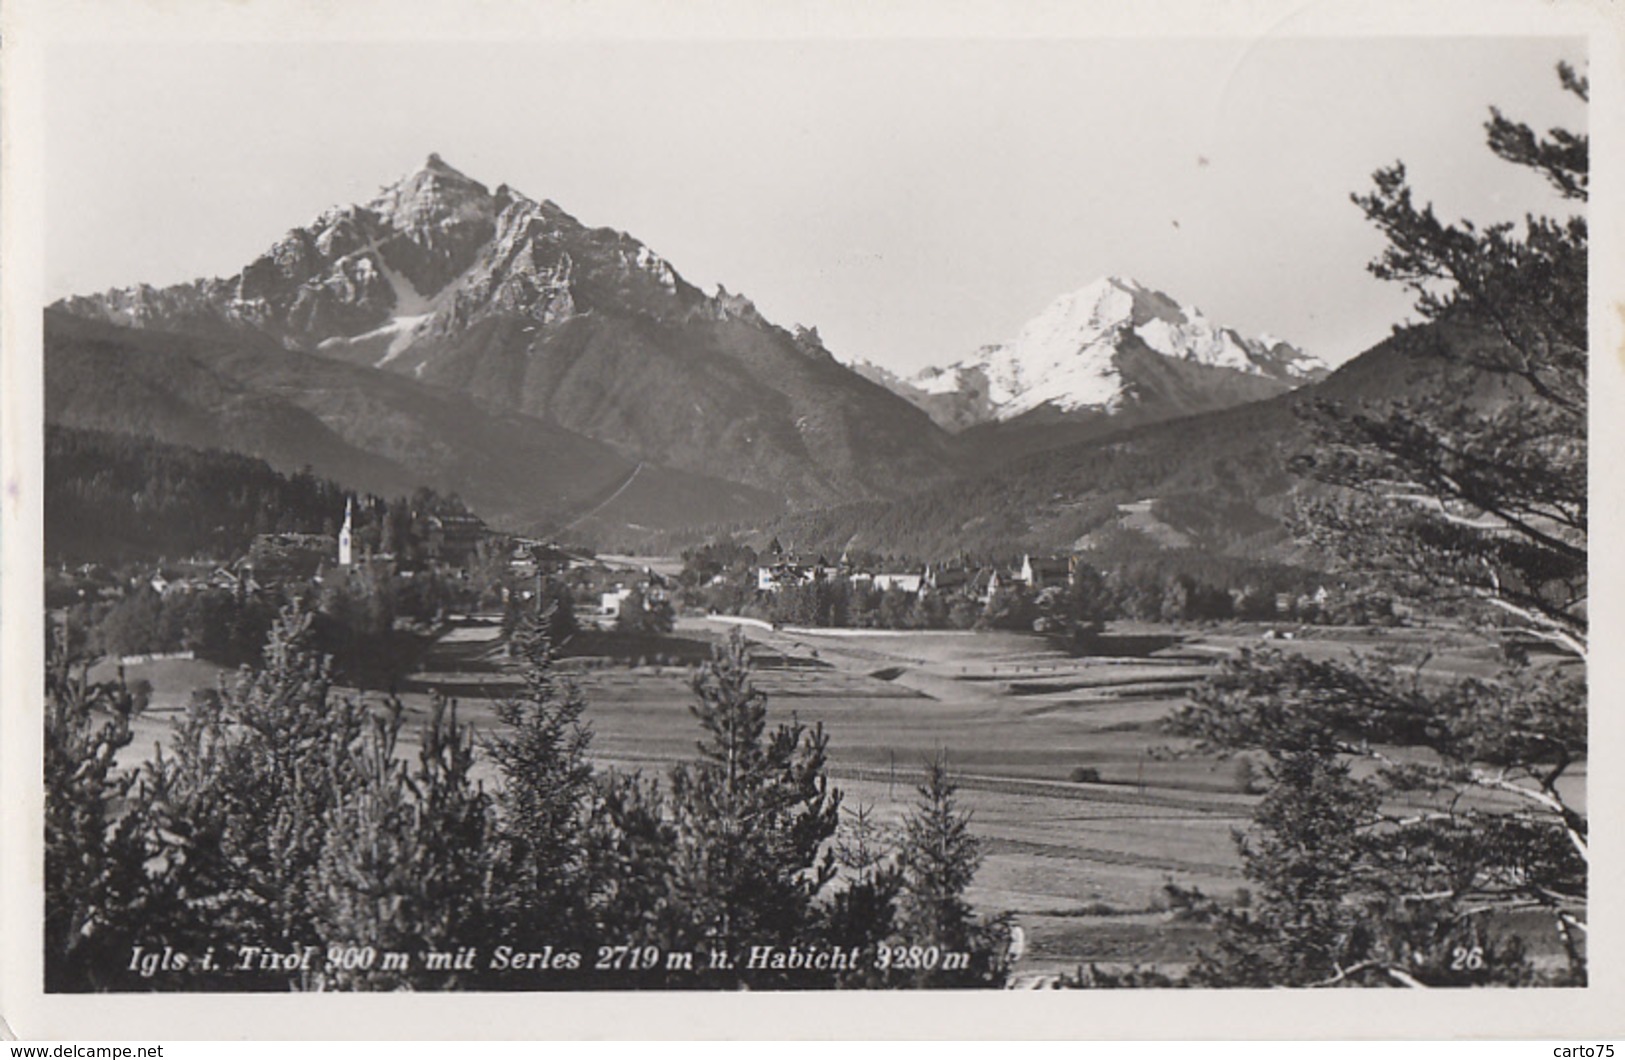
[862, 914]
[285, 819]
[406, 866]
[939, 859]
[235, 810]
[752, 817]
[92, 860]
[545, 794]
[1470, 499]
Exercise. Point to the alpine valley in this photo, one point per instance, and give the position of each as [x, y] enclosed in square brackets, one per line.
[565, 378]
[1111, 354]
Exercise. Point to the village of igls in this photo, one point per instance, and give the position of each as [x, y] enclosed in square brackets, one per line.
[458, 598]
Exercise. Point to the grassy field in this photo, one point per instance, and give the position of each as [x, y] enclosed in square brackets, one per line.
[1082, 865]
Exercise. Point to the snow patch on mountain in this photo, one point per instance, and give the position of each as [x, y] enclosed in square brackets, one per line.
[657, 266]
[411, 309]
[408, 302]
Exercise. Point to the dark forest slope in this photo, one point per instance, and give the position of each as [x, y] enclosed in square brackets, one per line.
[1219, 481]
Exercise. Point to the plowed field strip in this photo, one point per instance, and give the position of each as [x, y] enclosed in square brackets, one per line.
[993, 846]
[1216, 806]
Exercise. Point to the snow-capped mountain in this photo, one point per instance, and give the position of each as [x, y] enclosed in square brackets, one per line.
[1107, 348]
[518, 304]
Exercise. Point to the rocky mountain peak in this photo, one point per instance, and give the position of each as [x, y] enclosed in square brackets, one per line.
[436, 164]
[442, 280]
[436, 195]
[1097, 350]
[728, 305]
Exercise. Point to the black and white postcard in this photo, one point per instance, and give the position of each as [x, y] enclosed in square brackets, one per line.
[619, 519]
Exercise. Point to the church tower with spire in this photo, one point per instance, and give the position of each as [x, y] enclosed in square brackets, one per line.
[344, 536]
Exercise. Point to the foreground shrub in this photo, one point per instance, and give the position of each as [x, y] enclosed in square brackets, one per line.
[283, 840]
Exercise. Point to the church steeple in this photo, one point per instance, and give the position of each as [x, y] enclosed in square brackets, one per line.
[344, 536]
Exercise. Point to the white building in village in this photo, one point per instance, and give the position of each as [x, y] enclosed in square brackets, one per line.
[344, 535]
[909, 583]
[610, 603]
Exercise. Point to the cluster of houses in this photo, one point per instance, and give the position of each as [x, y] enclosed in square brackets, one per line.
[652, 586]
[1035, 572]
[236, 577]
[535, 559]
[274, 558]
[454, 539]
[447, 538]
[96, 581]
[530, 558]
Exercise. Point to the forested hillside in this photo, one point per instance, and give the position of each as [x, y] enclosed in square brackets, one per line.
[114, 497]
[1220, 482]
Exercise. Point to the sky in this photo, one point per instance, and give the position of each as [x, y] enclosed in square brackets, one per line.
[912, 199]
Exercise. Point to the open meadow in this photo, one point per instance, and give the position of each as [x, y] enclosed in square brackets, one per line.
[1084, 806]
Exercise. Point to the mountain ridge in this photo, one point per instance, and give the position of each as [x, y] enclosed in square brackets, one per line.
[1220, 479]
[515, 303]
[380, 433]
[1083, 357]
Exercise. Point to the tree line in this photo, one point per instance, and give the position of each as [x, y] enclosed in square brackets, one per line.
[119, 498]
[369, 619]
[1179, 586]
